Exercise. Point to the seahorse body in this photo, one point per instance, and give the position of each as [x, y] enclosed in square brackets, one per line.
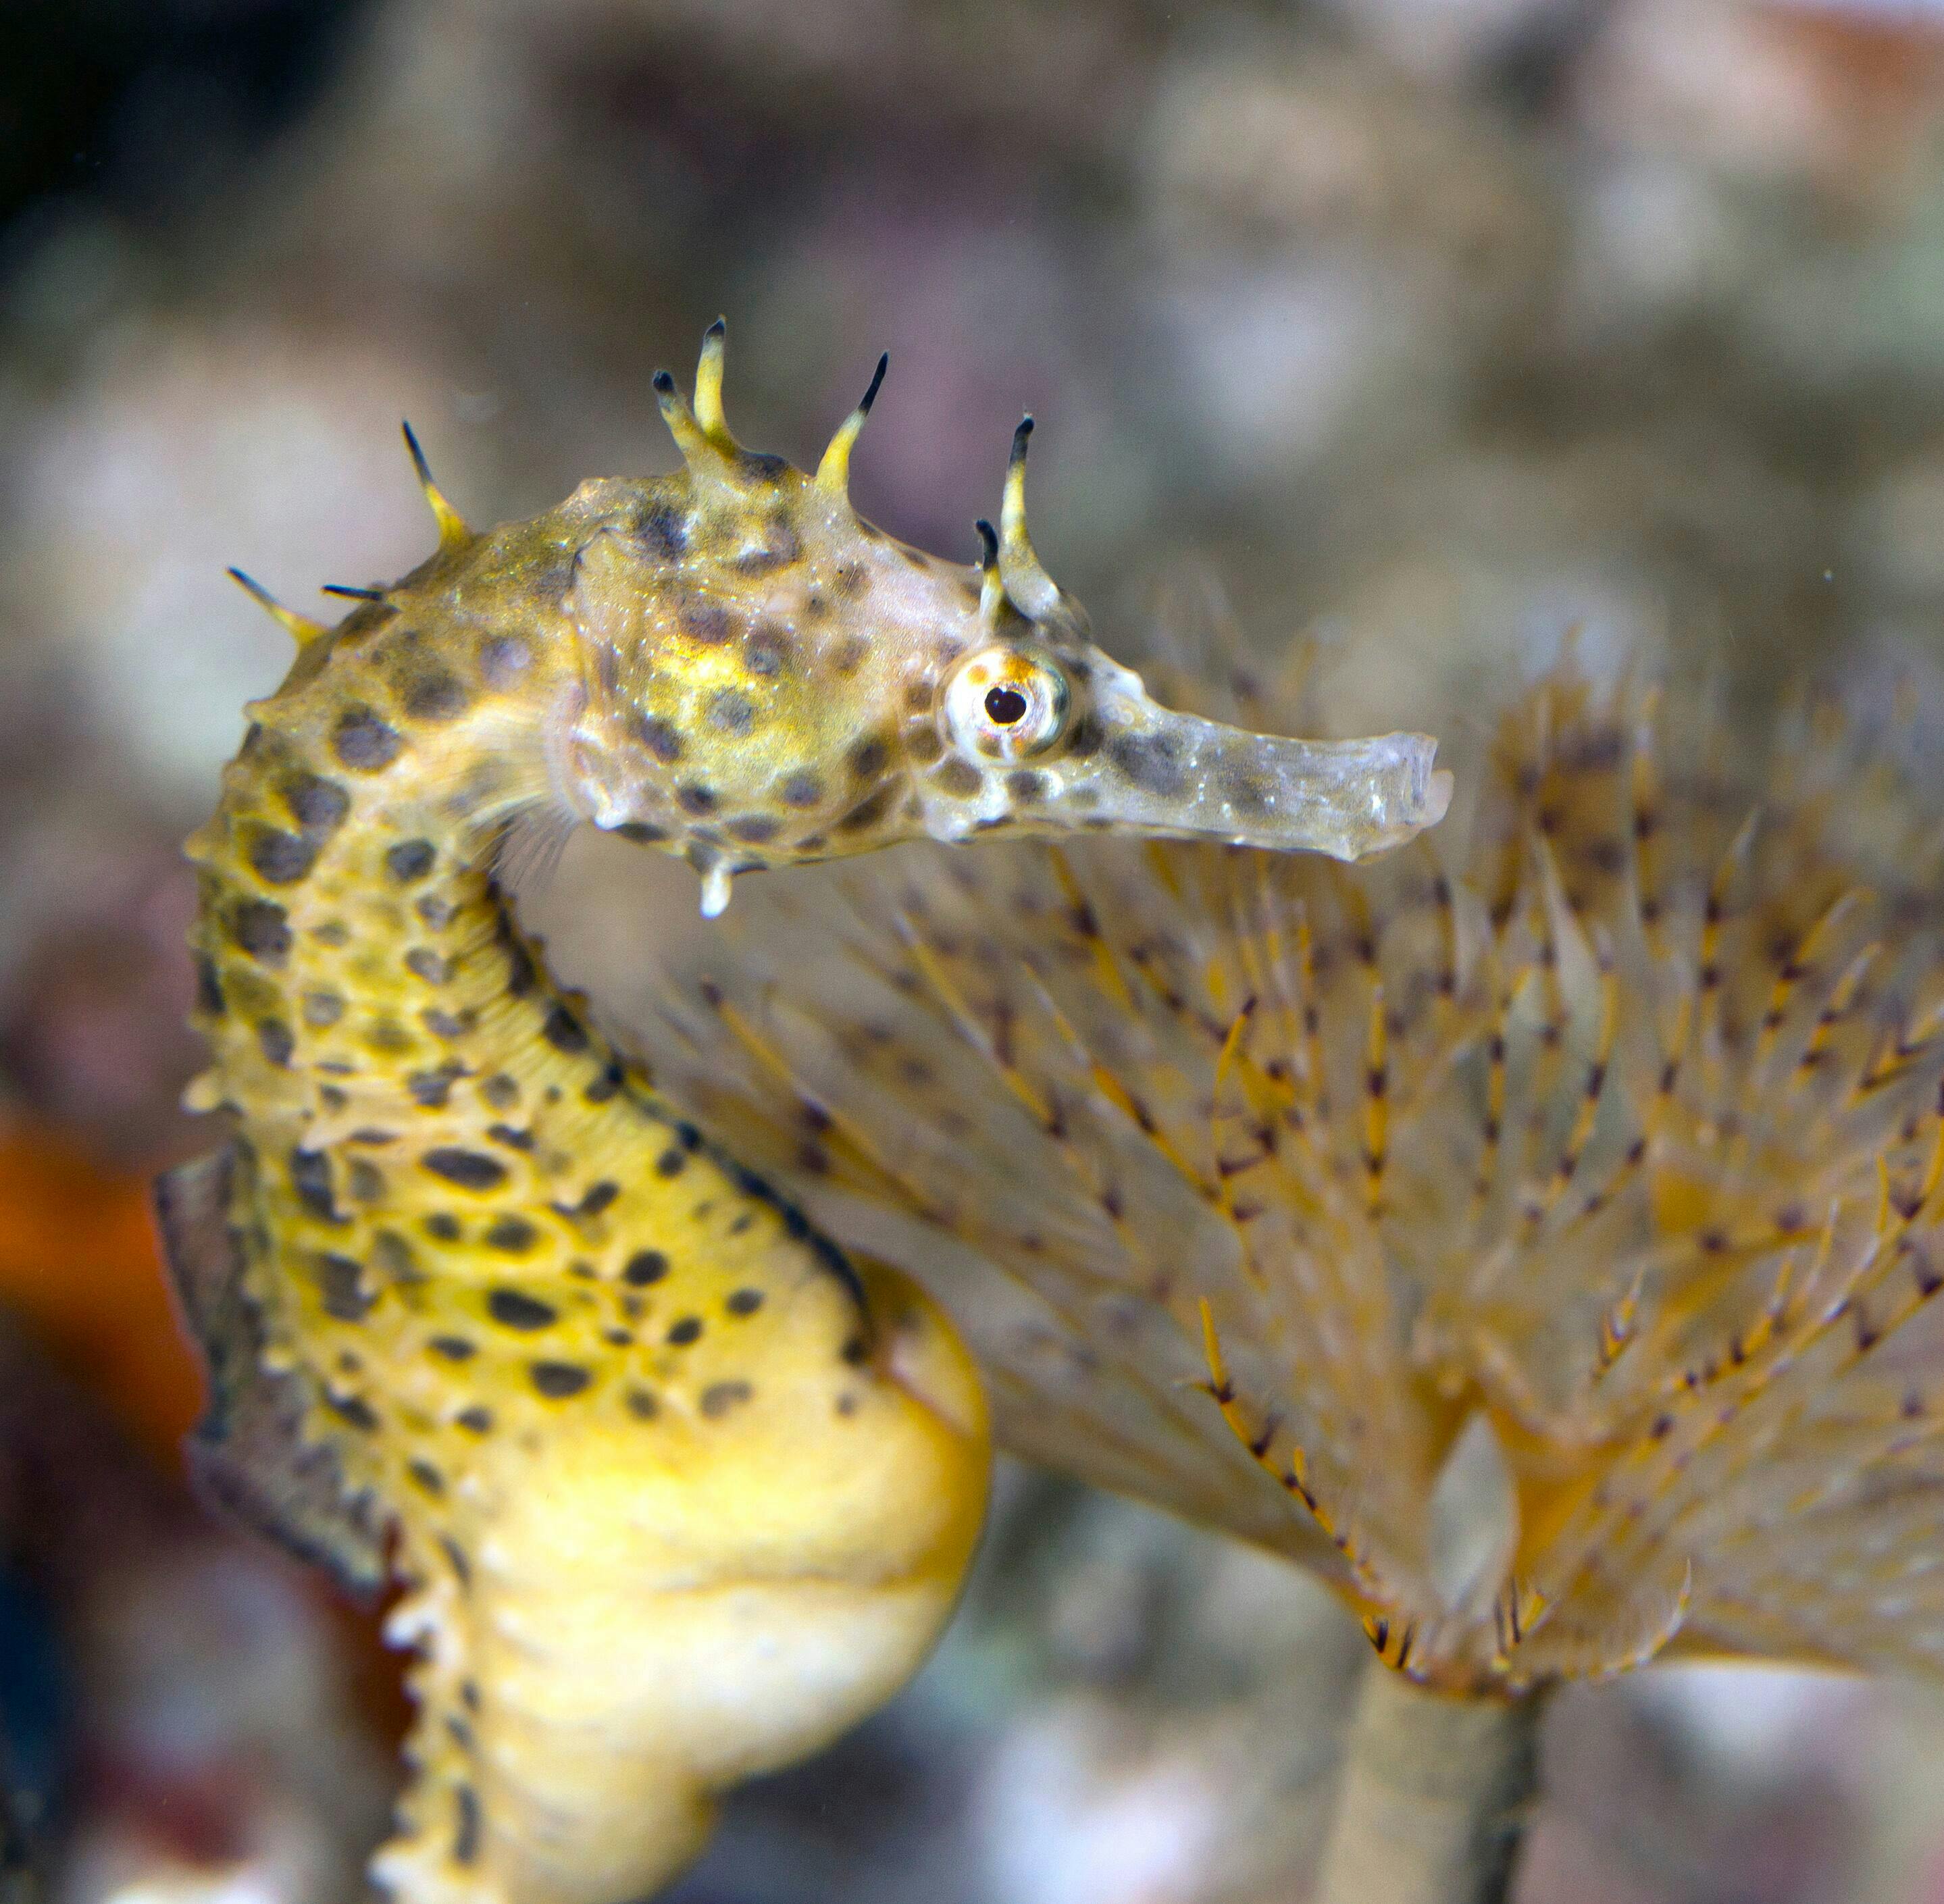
[677, 1493]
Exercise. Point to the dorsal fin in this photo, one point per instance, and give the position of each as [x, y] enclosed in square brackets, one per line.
[248, 1455]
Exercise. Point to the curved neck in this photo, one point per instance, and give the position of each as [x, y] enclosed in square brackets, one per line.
[352, 948]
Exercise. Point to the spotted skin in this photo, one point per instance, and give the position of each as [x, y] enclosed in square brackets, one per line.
[677, 1493]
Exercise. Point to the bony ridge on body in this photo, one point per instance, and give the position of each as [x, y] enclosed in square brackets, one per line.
[677, 1491]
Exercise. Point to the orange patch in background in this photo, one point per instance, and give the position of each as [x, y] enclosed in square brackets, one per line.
[80, 1264]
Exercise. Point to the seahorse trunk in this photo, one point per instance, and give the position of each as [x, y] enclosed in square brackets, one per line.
[679, 1496]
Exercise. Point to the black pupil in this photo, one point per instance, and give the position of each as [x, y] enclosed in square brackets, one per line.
[1006, 706]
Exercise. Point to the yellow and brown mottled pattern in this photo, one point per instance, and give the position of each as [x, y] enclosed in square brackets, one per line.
[678, 1494]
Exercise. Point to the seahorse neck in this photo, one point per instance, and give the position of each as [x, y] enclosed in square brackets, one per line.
[356, 957]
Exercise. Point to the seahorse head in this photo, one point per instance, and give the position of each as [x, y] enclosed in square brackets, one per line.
[768, 677]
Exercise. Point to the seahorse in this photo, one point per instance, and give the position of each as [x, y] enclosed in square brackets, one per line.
[676, 1490]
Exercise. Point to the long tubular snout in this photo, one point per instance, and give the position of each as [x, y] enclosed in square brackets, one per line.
[1164, 773]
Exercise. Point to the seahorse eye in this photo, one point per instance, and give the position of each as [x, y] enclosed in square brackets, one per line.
[1006, 702]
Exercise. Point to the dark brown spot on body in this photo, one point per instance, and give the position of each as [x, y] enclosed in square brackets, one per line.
[423, 962]
[261, 927]
[273, 1040]
[434, 696]
[452, 1348]
[744, 1301]
[352, 1410]
[767, 652]
[564, 1031]
[471, 1169]
[410, 860]
[597, 1197]
[361, 741]
[318, 805]
[959, 778]
[1151, 762]
[310, 1177]
[662, 738]
[644, 1267]
[685, 1331]
[868, 811]
[663, 532]
[514, 1235]
[558, 1380]
[513, 1309]
[1085, 740]
[339, 1278]
[720, 1396]
[704, 621]
[431, 1089]
[280, 858]
[465, 1825]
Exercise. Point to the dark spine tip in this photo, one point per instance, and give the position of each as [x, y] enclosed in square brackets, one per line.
[418, 455]
[237, 575]
[877, 383]
[355, 595]
[988, 543]
[664, 383]
[720, 328]
[1019, 437]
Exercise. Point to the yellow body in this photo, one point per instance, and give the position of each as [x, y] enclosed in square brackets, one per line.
[679, 1498]
[677, 1493]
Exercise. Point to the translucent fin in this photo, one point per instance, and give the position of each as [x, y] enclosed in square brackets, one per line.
[247, 1454]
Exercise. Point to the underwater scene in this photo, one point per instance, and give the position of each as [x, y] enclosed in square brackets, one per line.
[1060, 1019]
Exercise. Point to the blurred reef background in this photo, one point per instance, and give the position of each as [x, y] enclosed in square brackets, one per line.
[1437, 331]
